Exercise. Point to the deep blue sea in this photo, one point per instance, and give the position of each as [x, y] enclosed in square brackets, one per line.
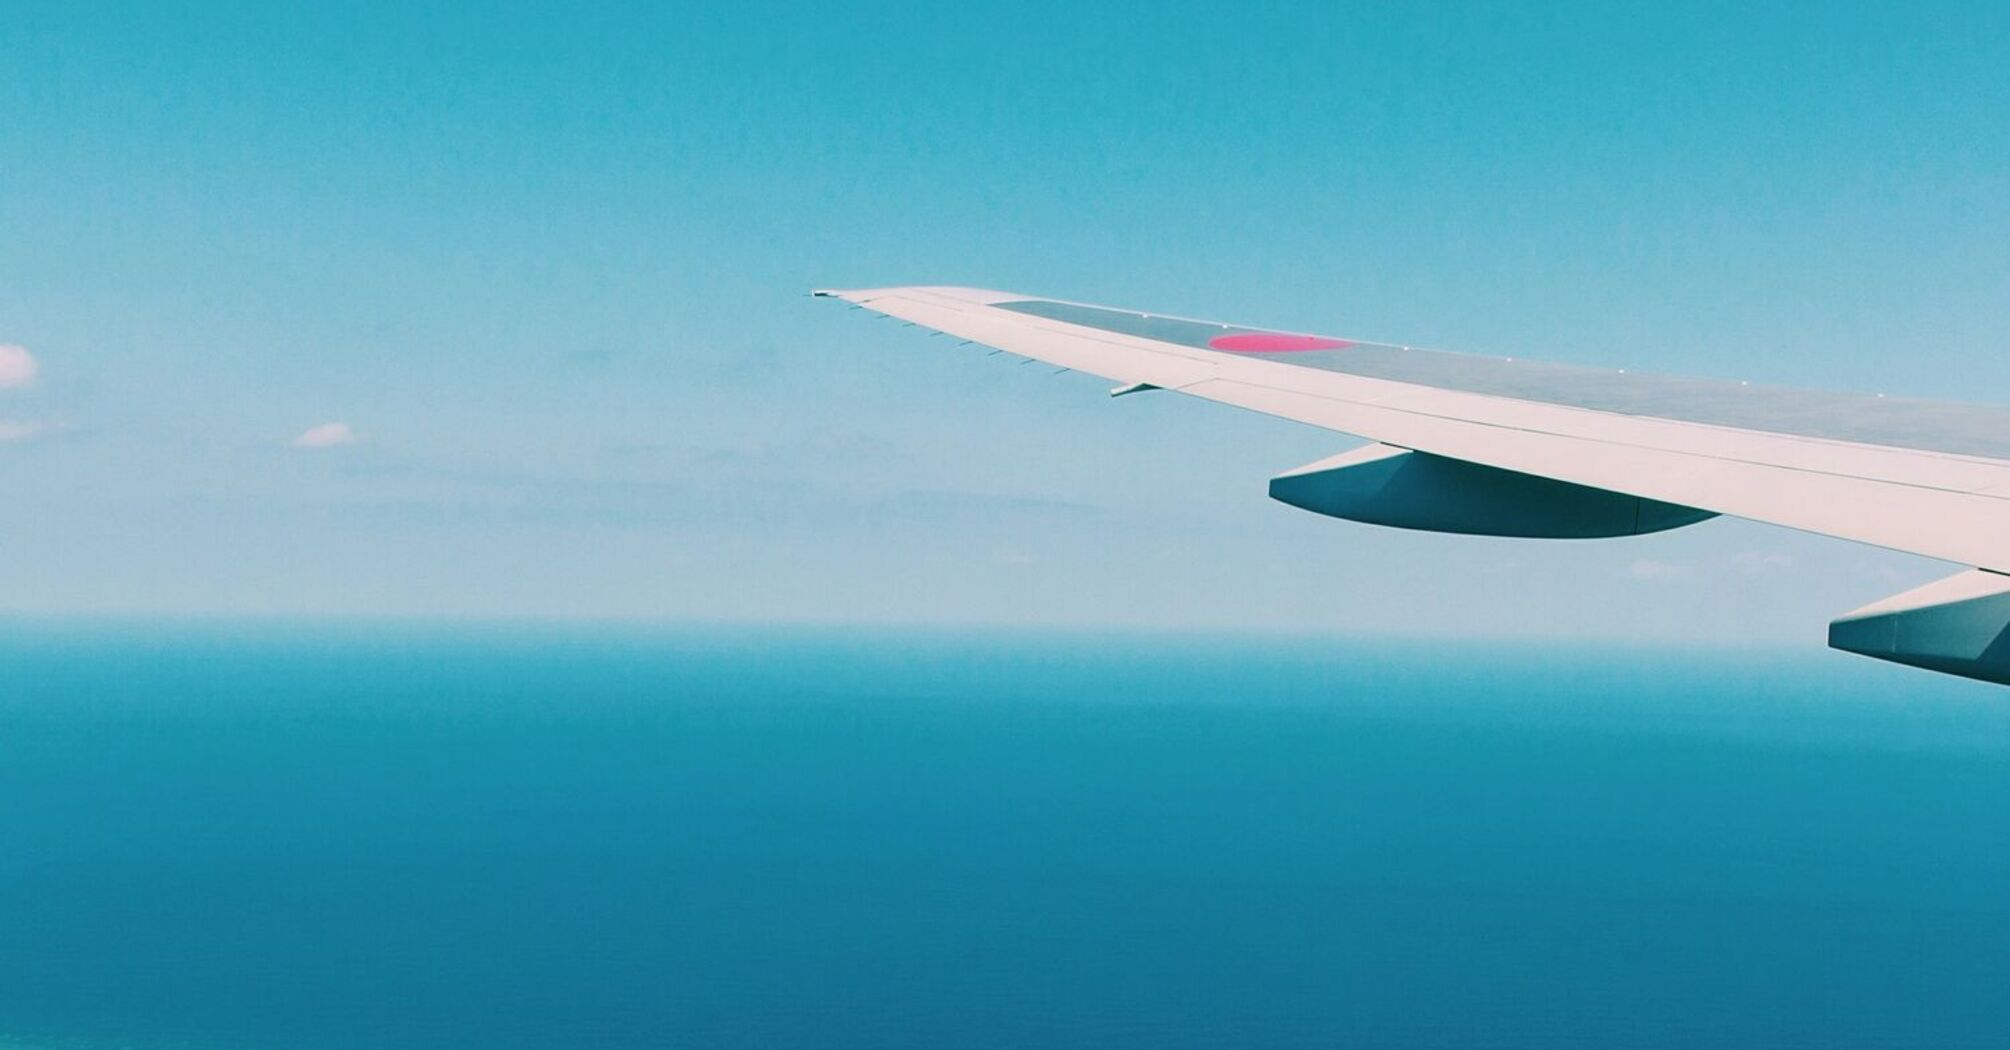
[348, 837]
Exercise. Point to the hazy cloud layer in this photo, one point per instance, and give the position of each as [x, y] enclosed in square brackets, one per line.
[1655, 571]
[14, 430]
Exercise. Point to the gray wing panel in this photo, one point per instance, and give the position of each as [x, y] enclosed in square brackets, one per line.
[1959, 429]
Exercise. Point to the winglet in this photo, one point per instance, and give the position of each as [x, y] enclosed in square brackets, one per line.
[1131, 388]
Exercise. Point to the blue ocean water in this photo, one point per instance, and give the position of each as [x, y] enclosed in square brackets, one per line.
[321, 837]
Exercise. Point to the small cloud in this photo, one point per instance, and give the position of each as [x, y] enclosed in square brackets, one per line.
[1656, 571]
[1761, 563]
[17, 365]
[327, 435]
[13, 430]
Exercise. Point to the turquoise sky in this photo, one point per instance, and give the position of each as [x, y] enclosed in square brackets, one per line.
[546, 268]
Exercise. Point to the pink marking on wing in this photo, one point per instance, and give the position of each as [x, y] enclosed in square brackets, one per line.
[1274, 343]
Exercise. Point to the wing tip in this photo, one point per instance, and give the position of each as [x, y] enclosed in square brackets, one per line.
[952, 293]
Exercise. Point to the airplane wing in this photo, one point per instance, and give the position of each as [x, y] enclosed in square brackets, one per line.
[1501, 446]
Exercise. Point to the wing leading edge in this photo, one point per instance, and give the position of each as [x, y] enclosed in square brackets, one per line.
[1926, 478]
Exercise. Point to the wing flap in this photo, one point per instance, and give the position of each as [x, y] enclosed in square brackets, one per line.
[1384, 485]
[1959, 625]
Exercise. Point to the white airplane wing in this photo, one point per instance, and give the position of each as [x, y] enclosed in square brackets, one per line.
[1500, 446]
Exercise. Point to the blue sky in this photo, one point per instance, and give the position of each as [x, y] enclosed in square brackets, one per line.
[547, 268]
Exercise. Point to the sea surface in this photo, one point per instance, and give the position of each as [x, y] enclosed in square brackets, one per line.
[344, 837]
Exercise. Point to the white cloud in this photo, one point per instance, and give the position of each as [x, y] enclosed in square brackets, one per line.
[1656, 571]
[327, 435]
[17, 365]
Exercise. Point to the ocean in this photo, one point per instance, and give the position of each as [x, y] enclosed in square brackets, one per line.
[351, 836]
